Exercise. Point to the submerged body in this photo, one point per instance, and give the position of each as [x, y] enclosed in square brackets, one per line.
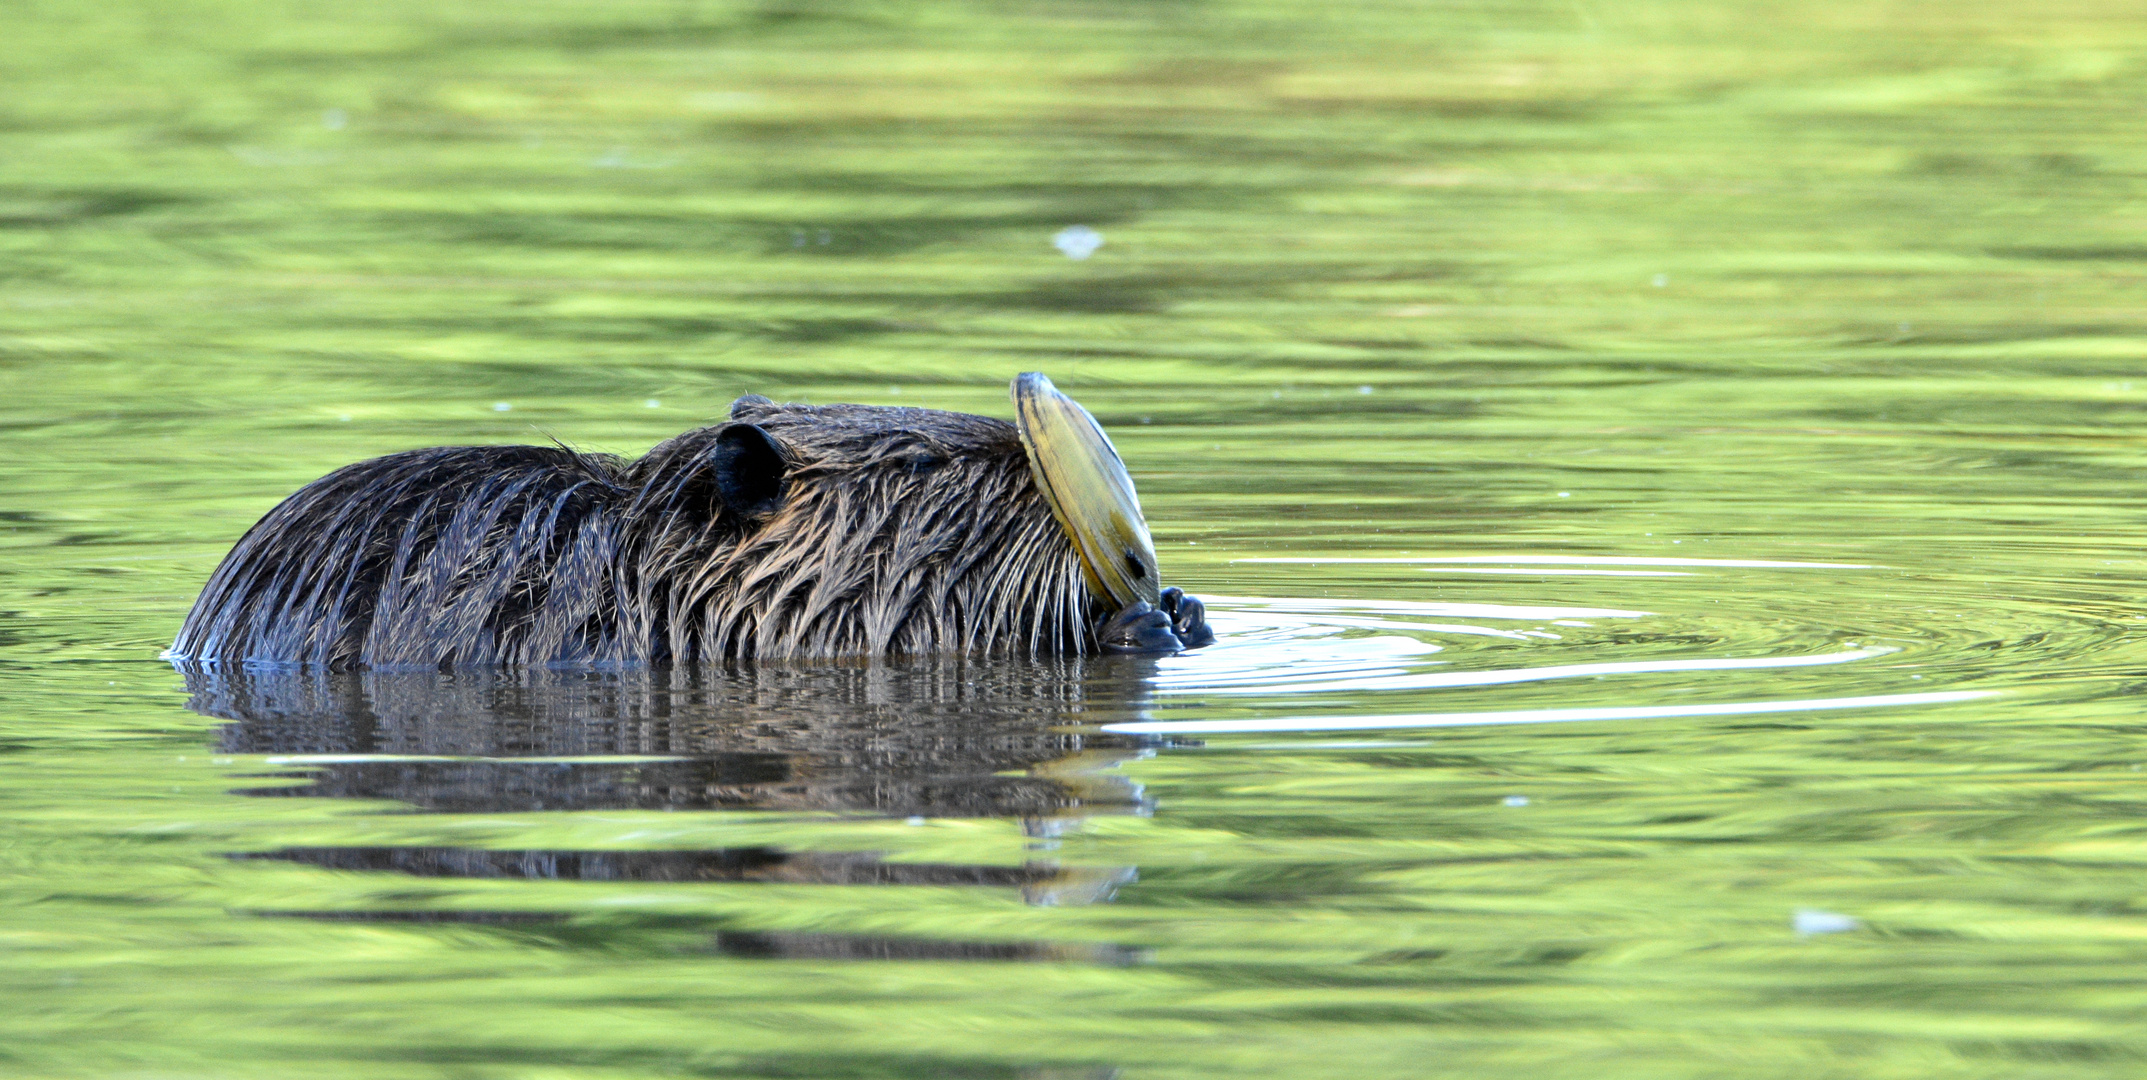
[791, 531]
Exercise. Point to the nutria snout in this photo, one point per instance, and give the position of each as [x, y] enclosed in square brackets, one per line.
[789, 531]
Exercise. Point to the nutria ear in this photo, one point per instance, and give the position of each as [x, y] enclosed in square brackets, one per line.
[748, 403]
[749, 472]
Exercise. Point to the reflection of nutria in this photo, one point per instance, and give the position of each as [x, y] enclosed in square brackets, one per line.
[790, 531]
[941, 736]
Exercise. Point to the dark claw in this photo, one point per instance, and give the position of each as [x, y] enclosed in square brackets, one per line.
[1188, 618]
[1138, 628]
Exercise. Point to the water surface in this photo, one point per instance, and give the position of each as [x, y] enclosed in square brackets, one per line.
[1665, 478]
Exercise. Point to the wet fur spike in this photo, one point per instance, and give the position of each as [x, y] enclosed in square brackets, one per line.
[849, 530]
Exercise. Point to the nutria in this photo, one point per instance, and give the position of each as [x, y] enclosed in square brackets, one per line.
[790, 531]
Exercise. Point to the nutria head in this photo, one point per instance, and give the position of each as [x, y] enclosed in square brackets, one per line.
[788, 531]
[851, 530]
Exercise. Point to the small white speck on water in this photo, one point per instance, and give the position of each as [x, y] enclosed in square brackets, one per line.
[1661, 280]
[1565, 494]
[1809, 921]
[1077, 242]
[652, 403]
[1915, 676]
[917, 820]
[501, 406]
[894, 391]
[335, 119]
[1147, 420]
[344, 417]
[1364, 389]
[1514, 800]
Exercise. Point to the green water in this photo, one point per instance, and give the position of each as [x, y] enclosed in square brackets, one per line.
[1428, 330]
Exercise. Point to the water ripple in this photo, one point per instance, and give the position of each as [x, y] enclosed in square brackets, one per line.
[1534, 716]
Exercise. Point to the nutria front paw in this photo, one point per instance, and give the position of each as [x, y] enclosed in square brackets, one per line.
[1188, 618]
[1181, 623]
[1138, 628]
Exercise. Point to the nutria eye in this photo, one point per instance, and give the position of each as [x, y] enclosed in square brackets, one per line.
[1133, 563]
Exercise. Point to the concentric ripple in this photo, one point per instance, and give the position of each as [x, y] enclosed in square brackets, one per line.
[1637, 650]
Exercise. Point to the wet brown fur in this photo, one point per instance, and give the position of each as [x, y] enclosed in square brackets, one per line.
[900, 531]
